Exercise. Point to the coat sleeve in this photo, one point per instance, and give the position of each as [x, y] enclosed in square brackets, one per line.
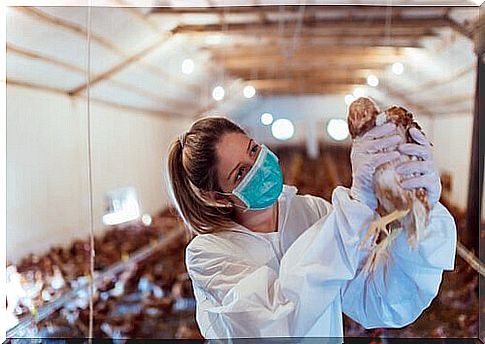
[403, 286]
[242, 299]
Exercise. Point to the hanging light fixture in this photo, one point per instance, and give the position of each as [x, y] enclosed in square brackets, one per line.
[372, 80]
[188, 66]
[266, 118]
[282, 129]
[249, 91]
[338, 129]
[218, 93]
[397, 68]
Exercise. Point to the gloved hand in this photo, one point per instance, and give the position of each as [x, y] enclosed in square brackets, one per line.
[420, 173]
[366, 155]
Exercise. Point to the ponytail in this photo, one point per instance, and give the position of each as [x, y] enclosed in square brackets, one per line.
[191, 170]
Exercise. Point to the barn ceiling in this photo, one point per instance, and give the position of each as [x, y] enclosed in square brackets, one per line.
[135, 54]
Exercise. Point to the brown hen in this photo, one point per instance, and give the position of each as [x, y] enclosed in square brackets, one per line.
[400, 209]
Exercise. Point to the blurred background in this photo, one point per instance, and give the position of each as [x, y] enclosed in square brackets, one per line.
[95, 95]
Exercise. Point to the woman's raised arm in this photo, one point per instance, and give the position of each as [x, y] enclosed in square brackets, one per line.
[237, 297]
[400, 288]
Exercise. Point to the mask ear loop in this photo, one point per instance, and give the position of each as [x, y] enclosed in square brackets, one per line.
[245, 209]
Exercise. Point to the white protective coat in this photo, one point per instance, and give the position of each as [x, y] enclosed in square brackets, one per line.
[297, 282]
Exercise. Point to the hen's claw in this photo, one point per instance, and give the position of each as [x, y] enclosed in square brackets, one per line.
[376, 227]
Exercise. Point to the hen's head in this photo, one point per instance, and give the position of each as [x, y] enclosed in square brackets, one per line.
[362, 116]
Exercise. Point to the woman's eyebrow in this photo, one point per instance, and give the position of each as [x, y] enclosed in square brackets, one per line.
[249, 145]
[247, 150]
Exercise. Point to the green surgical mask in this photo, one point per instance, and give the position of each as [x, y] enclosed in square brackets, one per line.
[263, 184]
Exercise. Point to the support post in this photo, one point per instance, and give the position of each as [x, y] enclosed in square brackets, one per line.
[475, 184]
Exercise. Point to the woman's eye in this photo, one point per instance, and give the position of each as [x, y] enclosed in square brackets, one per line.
[242, 170]
[254, 149]
[239, 174]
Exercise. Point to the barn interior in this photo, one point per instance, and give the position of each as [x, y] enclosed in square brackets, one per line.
[96, 94]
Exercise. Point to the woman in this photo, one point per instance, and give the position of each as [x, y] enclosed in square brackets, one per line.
[267, 262]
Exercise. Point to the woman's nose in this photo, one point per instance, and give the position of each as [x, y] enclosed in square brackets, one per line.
[249, 161]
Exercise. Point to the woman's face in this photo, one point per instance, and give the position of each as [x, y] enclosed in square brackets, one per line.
[237, 154]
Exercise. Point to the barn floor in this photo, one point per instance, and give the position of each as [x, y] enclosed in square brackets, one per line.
[156, 301]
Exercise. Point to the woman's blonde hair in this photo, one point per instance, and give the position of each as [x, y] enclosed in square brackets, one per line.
[192, 170]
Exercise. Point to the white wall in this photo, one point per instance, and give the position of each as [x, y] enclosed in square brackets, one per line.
[452, 138]
[47, 175]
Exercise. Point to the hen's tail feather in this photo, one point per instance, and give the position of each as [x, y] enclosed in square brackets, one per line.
[416, 222]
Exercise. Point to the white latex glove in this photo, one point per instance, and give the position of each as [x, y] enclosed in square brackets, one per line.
[366, 155]
[420, 173]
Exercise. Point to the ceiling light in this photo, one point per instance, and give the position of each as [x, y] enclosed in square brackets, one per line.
[187, 66]
[218, 93]
[282, 129]
[249, 91]
[337, 129]
[266, 118]
[372, 80]
[398, 68]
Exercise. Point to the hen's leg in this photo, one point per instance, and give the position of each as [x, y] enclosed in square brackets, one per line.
[380, 251]
[377, 226]
[380, 225]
